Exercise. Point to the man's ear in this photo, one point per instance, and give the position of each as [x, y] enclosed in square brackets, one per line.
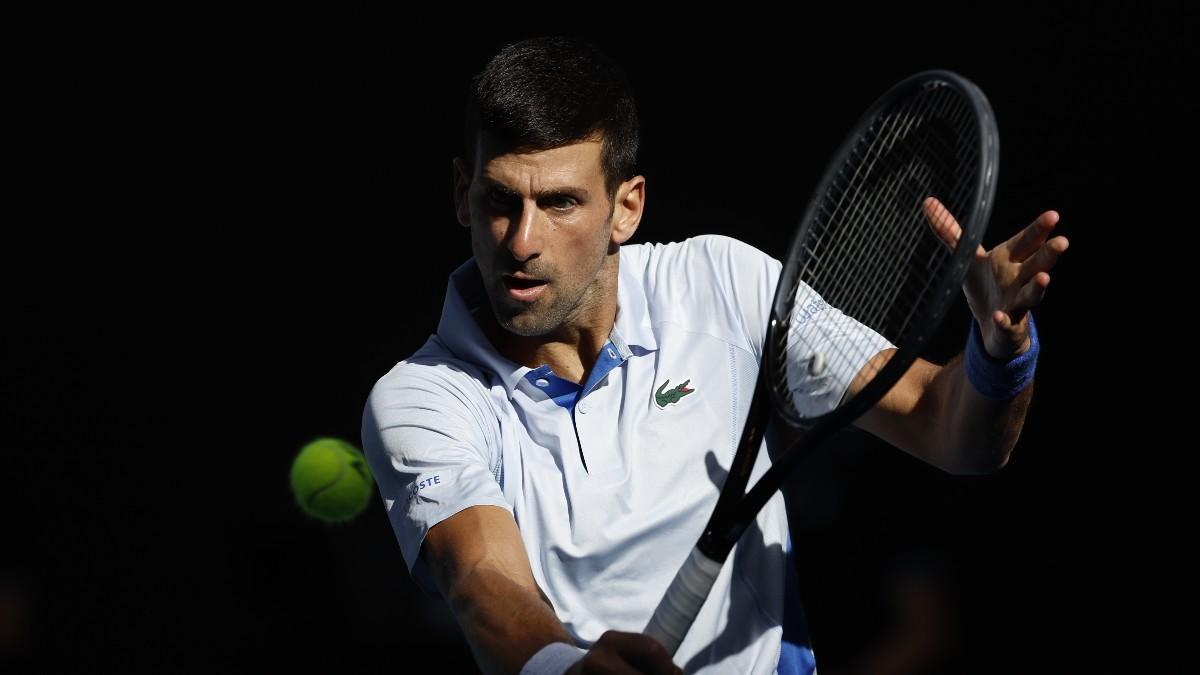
[462, 188]
[627, 211]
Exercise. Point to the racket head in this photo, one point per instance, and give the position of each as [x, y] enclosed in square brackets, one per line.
[865, 246]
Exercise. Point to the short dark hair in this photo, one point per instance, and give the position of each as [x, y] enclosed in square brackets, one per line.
[548, 92]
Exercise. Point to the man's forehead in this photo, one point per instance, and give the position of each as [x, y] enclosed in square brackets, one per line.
[574, 163]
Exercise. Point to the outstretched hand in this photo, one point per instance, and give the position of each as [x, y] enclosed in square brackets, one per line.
[1003, 284]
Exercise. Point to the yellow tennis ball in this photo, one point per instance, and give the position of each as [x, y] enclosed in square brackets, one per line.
[331, 481]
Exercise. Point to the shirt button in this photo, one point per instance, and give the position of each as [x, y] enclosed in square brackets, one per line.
[583, 408]
[611, 353]
[542, 382]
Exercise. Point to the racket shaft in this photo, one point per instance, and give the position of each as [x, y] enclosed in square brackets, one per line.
[686, 594]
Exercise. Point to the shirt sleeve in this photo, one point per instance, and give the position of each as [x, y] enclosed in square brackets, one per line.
[432, 448]
[825, 350]
[844, 345]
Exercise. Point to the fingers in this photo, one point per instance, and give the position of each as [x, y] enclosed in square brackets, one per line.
[1043, 260]
[617, 652]
[646, 654]
[1026, 242]
[605, 663]
[945, 225]
[1015, 340]
[1030, 296]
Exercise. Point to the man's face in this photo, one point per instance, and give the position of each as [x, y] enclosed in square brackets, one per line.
[540, 230]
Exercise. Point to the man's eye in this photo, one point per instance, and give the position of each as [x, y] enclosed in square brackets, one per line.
[562, 203]
[499, 200]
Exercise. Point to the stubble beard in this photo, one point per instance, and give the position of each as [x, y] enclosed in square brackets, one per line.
[544, 315]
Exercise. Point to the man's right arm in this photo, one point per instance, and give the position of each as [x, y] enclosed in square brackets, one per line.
[479, 564]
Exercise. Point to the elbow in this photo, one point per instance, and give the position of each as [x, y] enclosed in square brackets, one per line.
[959, 459]
[974, 453]
[977, 462]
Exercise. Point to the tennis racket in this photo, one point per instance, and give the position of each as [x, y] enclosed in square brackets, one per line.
[865, 246]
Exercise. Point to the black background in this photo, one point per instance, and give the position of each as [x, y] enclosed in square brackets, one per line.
[229, 226]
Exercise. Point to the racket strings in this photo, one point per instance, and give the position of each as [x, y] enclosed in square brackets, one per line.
[870, 211]
[862, 211]
[849, 198]
[915, 245]
[870, 253]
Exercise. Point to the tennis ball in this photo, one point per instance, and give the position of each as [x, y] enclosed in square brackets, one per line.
[331, 480]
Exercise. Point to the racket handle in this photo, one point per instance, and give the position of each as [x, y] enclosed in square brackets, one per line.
[681, 604]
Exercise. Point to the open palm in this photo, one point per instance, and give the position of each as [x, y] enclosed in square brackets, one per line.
[1003, 284]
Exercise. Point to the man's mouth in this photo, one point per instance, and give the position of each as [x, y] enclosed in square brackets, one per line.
[524, 289]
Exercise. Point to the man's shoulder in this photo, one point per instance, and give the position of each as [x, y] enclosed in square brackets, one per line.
[705, 250]
[709, 284]
[699, 273]
[432, 372]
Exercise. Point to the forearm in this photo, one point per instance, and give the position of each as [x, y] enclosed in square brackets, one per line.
[479, 563]
[504, 622]
[977, 433]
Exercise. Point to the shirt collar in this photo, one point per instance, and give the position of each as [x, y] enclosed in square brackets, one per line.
[459, 331]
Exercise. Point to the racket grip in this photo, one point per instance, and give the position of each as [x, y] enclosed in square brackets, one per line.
[686, 594]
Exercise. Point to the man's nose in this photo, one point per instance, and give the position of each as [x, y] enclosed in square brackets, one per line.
[526, 235]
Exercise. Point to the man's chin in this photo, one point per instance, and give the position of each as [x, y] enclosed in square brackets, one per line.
[526, 324]
[526, 319]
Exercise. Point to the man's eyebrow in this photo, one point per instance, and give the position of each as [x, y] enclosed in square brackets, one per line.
[578, 193]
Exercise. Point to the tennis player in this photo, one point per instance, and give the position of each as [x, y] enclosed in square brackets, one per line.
[550, 456]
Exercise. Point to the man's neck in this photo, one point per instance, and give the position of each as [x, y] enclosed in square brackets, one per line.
[571, 349]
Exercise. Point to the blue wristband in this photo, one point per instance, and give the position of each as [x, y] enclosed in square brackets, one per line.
[997, 379]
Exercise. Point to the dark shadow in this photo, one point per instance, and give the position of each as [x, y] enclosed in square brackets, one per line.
[737, 636]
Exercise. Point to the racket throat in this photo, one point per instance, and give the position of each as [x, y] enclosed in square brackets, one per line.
[727, 523]
[719, 538]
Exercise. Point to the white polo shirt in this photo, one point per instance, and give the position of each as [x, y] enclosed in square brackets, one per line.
[611, 483]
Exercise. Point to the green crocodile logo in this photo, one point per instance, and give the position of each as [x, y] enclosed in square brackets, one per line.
[664, 399]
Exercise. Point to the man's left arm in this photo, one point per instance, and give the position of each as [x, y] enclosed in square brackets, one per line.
[965, 417]
[936, 415]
